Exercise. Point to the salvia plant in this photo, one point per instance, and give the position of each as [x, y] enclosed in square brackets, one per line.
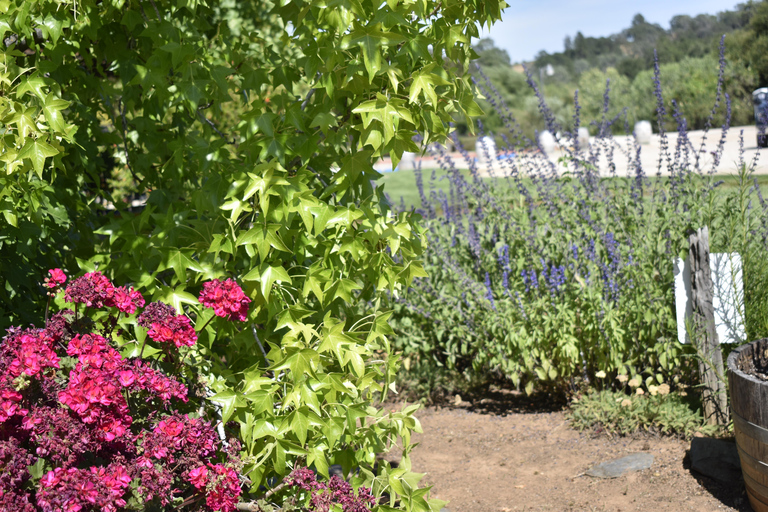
[553, 272]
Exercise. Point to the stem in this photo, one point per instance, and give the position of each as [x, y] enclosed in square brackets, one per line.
[253, 506]
[47, 307]
[206, 323]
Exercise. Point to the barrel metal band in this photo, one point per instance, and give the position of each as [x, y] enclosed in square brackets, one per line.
[750, 429]
[759, 491]
[749, 460]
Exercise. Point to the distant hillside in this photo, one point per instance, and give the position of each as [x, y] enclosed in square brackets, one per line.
[631, 50]
[688, 60]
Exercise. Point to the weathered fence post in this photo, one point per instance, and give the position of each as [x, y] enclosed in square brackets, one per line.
[704, 336]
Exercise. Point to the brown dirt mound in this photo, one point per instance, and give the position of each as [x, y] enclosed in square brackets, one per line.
[506, 452]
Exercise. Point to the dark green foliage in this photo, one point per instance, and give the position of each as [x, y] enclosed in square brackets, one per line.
[752, 50]
[632, 49]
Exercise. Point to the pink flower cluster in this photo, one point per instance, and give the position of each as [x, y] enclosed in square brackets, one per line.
[219, 483]
[166, 326]
[226, 298]
[95, 290]
[105, 424]
[324, 495]
[34, 353]
[94, 390]
[177, 435]
[176, 329]
[73, 489]
[126, 300]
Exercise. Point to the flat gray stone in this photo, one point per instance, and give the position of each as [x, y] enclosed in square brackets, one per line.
[716, 459]
[618, 467]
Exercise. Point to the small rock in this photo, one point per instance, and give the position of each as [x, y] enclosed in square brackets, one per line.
[582, 141]
[643, 132]
[716, 459]
[547, 141]
[618, 467]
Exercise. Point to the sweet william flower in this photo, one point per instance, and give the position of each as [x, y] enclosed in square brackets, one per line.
[226, 299]
[199, 477]
[93, 289]
[56, 278]
[176, 329]
[127, 300]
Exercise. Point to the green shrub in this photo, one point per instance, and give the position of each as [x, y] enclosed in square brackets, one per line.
[248, 130]
[616, 412]
[555, 273]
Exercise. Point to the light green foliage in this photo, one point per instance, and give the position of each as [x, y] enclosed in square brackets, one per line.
[249, 129]
[592, 87]
[615, 412]
[692, 84]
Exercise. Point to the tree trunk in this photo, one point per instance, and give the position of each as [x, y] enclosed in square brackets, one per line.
[704, 336]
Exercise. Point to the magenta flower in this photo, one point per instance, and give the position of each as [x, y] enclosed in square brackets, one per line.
[126, 300]
[199, 477]
[176, 329]
[57, 278]
[220, 483]
[81, 411]
[93, 289]
[226, 298]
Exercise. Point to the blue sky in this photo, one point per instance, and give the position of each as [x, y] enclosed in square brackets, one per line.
[529, 26]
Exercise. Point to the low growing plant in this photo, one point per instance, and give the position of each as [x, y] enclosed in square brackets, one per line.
[653, 409]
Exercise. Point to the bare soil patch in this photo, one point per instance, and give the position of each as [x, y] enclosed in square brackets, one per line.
[507, 452]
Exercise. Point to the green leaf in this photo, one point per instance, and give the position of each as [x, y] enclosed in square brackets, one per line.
[324, 120]
[54, 27]
[300, 424]
[37, 151]
[37, 469]
[269, 276]
[227, 400]
[299, 362]
[318, 458]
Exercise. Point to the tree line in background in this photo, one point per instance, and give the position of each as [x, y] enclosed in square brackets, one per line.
[687, 53]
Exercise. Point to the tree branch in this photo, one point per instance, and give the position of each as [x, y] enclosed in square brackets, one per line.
[121, 106]
[212, 125]
[306, 100]
[253, 506]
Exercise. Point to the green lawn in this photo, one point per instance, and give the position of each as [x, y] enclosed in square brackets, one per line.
[402, 184]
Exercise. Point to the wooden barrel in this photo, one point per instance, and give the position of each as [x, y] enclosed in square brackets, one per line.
[749, 410]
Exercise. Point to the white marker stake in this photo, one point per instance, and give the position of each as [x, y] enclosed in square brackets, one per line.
[728, 301]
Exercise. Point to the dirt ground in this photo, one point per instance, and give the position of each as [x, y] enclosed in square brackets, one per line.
[506, 452]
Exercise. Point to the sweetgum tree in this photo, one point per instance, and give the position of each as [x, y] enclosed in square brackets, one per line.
[183, 141]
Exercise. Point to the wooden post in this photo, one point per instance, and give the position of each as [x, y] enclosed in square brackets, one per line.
[704, 336]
